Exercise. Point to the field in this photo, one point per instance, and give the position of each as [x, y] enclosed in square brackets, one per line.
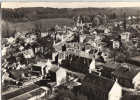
[46, 23]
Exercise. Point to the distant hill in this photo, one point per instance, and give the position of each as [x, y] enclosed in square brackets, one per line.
[35, 13]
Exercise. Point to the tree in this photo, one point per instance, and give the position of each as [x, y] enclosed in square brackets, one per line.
[120, 58]
[82, 97]
[64, 94]
[95, 22]
[38, 25]
[7, 30]
[113, 16]
[124, 23]
[113, 54]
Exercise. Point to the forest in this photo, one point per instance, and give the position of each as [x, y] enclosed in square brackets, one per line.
[36, 13]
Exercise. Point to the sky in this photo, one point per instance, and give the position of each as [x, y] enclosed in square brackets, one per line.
[69, 4]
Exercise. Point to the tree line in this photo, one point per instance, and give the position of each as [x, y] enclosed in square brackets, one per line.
[35, 13]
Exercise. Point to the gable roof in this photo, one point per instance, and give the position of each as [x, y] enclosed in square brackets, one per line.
[16, 73]
[89, 47]
[126, 72]
[111, 64]
[54, 69]
[81, 60]
[90, 42]
[98, 82]
[127, 43]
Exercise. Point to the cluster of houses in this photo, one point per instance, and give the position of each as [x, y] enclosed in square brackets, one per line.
[23, 63]
[109, 81]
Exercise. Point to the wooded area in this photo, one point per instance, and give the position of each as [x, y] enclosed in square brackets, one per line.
[35, 13]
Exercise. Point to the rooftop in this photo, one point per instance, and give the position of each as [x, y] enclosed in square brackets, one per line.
[99, 82]
[111, 64]
[127, 72]
[16, 73]
[54, 69]
[137, 58]
[19, 92]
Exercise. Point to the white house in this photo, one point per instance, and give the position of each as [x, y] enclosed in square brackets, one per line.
[115, 92]
[43, 34]
[42, 67]
[57, 75]
[106, 30]
[125, 36]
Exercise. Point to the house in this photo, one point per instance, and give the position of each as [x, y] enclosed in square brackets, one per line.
[11, 66]
[106, 30]
[109, 67]
[81, 38]
[19, 74]
[4, 64]
[43, 34]
[90, 38]
[128, 44]
[96, 87]
[91, 43]
[102, 29]
[80, 63]
[88, 48]
[125, 36]
[127, 75]
[3, 51]
[115, 44]
[19, 66]
[57, 75]
[12, 49]
[134, 60]
[129, 18]
[11, 40]
[41, 68]
[11, 59]
[61, 56]
[116, 92]
[54, 56]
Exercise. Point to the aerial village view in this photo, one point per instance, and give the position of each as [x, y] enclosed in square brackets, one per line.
[79, 53]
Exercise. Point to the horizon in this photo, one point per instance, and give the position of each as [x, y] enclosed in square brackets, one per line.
[59, 5]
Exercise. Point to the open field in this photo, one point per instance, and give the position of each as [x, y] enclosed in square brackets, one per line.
[46, 23]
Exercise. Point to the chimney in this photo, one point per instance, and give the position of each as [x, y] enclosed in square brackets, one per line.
[54, 42]
[55, 35]
[62, 37]
[99, 73]
[116, 80]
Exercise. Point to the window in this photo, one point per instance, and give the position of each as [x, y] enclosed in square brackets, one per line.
[85, 70]
[90, 90]
[103, 95]
[106, 95]
[96, 92]
[127, 82]
[121, 80]
[85, 87]
[100, 93]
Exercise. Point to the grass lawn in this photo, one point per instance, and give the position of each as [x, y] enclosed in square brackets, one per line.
[46, 23]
